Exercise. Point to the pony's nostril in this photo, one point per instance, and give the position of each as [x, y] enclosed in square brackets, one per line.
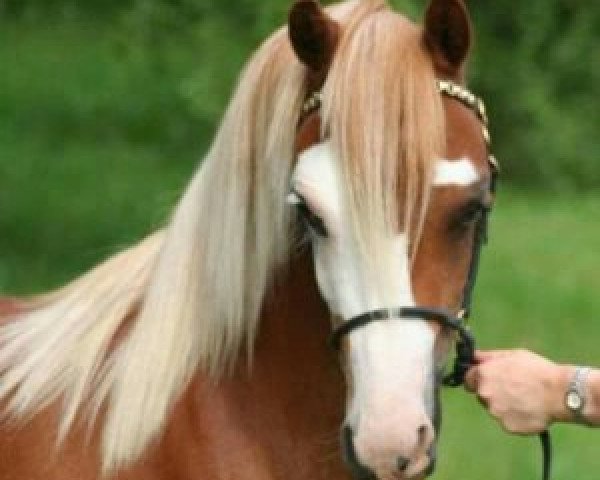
[425, 437]
[422, 432]
[402, 464]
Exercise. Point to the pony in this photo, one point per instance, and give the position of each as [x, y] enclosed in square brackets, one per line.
[340, 181]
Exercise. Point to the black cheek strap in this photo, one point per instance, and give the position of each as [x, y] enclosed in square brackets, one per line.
[465, 345]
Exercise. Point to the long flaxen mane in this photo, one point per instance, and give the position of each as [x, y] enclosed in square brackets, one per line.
[188, 297]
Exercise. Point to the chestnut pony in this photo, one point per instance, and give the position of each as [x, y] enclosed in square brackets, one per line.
[341, 181]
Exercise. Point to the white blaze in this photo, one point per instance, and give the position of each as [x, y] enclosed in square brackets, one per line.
[460, 173]
[391, 362]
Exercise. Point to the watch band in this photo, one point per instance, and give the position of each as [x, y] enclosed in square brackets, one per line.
[576, 394]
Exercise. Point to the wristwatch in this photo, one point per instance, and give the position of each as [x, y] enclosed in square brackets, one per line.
[575, 398]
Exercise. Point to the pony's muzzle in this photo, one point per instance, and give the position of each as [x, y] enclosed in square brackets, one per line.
[366, 463]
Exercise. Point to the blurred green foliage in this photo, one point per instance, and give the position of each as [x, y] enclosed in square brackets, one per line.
[536, 63]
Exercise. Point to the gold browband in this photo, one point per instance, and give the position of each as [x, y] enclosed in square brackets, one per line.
[445, 87]
[463, 95]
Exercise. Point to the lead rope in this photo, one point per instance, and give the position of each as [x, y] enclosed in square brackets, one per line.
[465, 345]
[546, 454]
[465, 359]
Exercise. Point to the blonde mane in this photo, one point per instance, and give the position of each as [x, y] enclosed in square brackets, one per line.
[192, 293]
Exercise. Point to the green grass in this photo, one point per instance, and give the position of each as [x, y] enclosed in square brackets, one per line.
[93, 153]
[538, 289]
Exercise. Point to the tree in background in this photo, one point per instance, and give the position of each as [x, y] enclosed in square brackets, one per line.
[536, 64]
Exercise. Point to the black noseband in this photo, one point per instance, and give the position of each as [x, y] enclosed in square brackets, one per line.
[465, 350]
[465, 346]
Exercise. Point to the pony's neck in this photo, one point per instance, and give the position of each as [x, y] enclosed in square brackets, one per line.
[293, 341]
[292, 398]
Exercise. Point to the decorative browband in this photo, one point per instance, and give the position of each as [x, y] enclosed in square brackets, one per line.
[473, 102]
[445, 87]
[464, 96]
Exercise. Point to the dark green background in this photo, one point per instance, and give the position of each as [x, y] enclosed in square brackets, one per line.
[106, 108]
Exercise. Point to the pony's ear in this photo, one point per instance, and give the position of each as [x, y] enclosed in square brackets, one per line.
[313, 34]
[448, 35]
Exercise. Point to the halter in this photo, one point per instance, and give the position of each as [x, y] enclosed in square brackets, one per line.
[465, 343]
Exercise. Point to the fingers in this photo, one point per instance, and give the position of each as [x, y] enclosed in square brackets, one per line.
[473, 377]
[482, 356]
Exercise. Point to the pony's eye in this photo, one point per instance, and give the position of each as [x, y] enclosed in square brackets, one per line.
[469, 214]
[313, 221]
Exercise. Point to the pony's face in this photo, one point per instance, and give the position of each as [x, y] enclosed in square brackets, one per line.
[391, 367]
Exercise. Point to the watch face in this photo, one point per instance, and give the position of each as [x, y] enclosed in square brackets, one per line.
[574, 401]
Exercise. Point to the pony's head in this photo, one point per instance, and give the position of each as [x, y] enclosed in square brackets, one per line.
[390, 181]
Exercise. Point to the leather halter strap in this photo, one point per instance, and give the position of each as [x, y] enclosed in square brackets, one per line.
[465, 345]
[476, 104]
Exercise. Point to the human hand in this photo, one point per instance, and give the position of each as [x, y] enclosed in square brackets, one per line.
[522, 390]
